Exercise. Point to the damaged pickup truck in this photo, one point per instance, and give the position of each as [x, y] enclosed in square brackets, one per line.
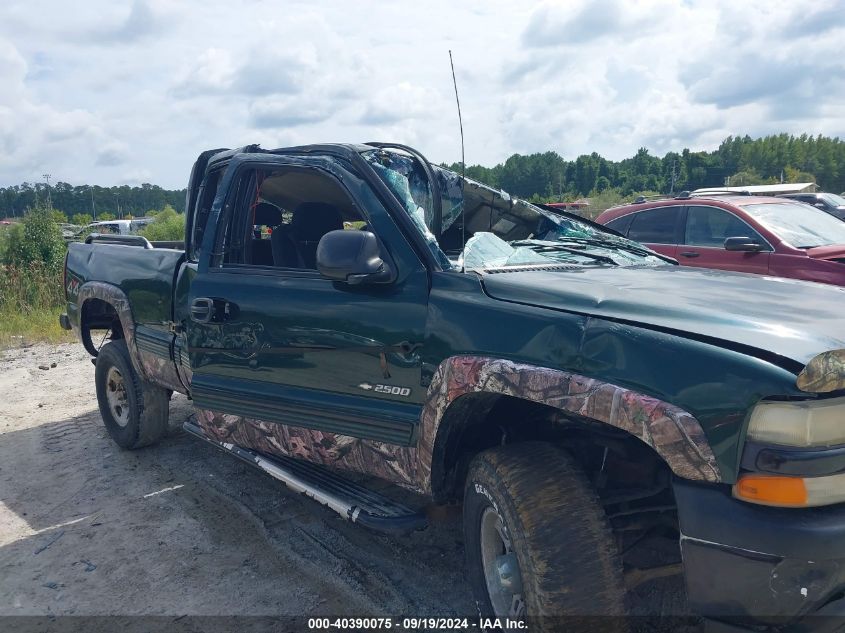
[355, 308]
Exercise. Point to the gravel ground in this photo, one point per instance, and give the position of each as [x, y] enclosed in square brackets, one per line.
[180, 529]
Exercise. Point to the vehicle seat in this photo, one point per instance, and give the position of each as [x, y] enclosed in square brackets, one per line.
[699, 230]
[261, 250]
[295, 245]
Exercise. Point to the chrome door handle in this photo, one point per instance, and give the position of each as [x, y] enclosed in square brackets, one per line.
[202, 310]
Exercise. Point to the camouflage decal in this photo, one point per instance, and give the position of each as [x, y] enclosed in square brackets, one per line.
[161, 371]
[118, 300]
[236, 340]
[673, 433]
[824, 373]
[393, 463]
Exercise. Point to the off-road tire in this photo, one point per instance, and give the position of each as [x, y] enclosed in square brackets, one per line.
[566, 552]
[148, 404]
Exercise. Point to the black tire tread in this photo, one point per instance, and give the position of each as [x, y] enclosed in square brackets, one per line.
[151, 401]
[567, 553]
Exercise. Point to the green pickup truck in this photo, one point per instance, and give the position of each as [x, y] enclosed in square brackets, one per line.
[355, 308]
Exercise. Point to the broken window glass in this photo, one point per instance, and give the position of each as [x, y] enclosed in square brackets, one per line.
[407, 180]
[499, 230]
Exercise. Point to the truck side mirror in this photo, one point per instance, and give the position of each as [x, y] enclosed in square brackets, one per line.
[747, 244]
[353, 257]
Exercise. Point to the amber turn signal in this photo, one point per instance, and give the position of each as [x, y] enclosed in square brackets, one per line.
[772, 490]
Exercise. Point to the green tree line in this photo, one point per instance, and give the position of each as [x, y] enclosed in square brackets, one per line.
[739, 160]
[88, 199]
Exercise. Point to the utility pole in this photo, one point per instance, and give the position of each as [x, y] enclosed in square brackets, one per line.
[49, 199]
[93, 208]
[117, 204]
[674, 176]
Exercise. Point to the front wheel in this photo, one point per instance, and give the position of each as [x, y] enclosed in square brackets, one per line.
[537, 540]
[134, 411]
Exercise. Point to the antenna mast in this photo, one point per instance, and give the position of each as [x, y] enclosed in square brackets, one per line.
[463, 159]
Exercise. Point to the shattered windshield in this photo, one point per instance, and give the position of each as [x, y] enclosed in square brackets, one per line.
[483, 227]
[407, 180]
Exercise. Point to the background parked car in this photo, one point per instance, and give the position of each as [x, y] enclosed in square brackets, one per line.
[752, 234]
[829, 202]
[119, 227]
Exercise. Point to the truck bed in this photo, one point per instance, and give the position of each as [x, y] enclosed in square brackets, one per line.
[145, 274]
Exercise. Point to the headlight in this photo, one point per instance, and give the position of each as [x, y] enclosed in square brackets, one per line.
[805, 424]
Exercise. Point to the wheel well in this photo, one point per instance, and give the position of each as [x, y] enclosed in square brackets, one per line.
[98, 314]
[478, 421]
[632, 481]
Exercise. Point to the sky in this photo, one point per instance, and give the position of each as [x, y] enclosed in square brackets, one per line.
[109, 92]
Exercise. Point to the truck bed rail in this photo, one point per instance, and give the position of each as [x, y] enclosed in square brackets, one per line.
[126, 240]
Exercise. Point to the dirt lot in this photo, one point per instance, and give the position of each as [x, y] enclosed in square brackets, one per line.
[181, 529]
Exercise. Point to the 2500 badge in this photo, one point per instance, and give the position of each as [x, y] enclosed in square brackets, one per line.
[391, 390]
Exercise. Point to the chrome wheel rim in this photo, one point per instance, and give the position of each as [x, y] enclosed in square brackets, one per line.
[501, 568]
[116, 397]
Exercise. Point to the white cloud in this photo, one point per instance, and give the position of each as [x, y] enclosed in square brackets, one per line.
[136, 177]
[31, 131]
[401, 102]
[107, 92]
[145, 20]
[112, 153]
[212, 72]
[286, 112]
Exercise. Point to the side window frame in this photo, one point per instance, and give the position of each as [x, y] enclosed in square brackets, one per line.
[677, 230]
[233, 214]
[754, 233]
[623, 223]
[205, 200]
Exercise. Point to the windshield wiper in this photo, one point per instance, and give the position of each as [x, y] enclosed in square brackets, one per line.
[551, 247]
[610, 244]
[613, 245]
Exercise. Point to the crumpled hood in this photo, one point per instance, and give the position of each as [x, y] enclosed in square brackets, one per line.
[790, 318]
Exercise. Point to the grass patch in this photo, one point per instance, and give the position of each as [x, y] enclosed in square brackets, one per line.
[38, 326]
[31, 299]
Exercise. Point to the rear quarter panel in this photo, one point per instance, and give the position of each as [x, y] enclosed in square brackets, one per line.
[144, 275]
[138, 284]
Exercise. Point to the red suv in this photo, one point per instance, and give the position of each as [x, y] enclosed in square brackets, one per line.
[751, 234]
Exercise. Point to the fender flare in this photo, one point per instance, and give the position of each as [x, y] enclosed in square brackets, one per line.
[674, 434]
[118, 300]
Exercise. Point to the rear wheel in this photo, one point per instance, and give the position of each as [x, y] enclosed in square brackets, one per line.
[134, 411]
[537, 540]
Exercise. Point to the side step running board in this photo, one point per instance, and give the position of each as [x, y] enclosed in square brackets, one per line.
[349, 499]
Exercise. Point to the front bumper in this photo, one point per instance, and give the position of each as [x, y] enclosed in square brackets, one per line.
[755, 565]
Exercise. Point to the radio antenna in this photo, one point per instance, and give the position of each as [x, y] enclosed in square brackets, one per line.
[463, 159]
